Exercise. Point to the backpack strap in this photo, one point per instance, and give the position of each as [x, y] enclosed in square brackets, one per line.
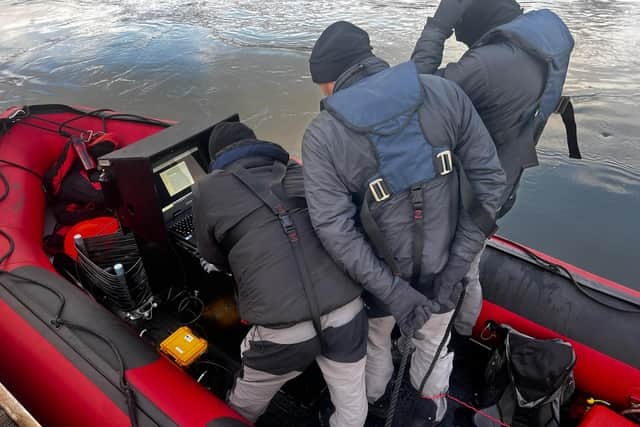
[565, 109]
[418, 232]
[264, 192]
[480, 216]
[374, 233]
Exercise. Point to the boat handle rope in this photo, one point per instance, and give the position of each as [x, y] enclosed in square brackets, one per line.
[563, 271]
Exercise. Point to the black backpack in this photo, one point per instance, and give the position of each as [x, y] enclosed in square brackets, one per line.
[72, 182]
[527, 380]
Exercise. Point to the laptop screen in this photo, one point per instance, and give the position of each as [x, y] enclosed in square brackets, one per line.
[175, 177]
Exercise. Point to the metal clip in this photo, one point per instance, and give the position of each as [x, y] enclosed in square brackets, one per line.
[446, 162]
[14, 116]
[378, 190]
[487, 328]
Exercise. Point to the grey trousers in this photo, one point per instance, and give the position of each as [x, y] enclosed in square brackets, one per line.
[379, 368]
[271, 357]
[472, 302]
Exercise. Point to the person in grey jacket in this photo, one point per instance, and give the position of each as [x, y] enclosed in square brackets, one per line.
[340, 160]
[505, 82]
[301, 305]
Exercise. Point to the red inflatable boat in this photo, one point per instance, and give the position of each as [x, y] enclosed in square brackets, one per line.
[72, 362]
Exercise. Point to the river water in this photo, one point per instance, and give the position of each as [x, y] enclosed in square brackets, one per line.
[206, 59]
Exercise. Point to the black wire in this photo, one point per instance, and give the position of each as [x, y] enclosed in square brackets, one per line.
[41, 128]
[217, 365]
[16, 165]
[183, 306]
[557, 268]
[231, 375]
[442, 343]
[82, 116]
[12, 245]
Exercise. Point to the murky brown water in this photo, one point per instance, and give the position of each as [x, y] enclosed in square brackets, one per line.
[178, 59]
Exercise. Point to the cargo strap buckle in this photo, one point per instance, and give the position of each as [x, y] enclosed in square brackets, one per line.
[287, 224]
[446, 162]
[378, 189]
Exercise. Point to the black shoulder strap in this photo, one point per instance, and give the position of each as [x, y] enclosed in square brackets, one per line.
[377, 239]
[418, 233]
[264, 192]
[480, 216]
[565, 109]
[375, 235]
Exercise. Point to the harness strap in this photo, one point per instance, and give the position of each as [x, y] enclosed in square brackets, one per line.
[375, 235]
[266, 194]
[565, 109]
[480, 216]
[418, 232]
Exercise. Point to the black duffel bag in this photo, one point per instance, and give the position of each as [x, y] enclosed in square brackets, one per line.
[527, 380]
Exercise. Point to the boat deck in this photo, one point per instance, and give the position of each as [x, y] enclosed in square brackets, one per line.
[465, 384]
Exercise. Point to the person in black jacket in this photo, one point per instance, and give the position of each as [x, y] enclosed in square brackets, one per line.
[250, 218]
[505, 73]
[385, 143]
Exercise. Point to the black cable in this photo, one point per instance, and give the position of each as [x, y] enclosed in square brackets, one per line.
[231, 375]
[12, 245]
[183, 306]
[16, 165]
[557, 269]
[442, 343]
[82, 116]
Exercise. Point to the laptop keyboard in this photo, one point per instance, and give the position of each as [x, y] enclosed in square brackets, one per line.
[183, 227]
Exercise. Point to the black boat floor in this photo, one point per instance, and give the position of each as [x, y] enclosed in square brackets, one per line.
[465, 384]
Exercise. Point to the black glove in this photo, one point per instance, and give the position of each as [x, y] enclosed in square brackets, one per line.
[410, 308]
[449, 13]
[450, 282]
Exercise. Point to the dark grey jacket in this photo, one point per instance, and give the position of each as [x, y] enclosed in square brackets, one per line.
[233, 224]
[339, 162]
[503, 82]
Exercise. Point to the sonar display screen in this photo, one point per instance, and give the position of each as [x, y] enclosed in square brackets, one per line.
[176, 178]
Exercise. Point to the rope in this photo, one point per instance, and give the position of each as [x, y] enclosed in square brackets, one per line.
[442, 343]
[557, 269]
[468, 406]
[405, 349]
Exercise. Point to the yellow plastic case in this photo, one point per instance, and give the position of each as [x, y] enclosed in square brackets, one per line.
[183, 346]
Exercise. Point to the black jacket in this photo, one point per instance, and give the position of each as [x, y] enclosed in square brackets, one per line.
[232, 225]
[503, 82]
[339, 162]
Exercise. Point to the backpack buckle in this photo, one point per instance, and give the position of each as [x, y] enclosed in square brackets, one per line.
[378, 189]
[446, 162]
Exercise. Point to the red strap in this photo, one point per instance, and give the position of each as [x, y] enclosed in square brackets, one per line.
[468, 406]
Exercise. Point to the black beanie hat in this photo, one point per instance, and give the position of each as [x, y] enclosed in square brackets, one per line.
[227, 133]
[484, 15]
[339, 47]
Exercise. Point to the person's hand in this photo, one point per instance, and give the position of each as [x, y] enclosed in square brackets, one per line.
[410, 308]
[449, 283]
[449, 13]
[208, 267]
